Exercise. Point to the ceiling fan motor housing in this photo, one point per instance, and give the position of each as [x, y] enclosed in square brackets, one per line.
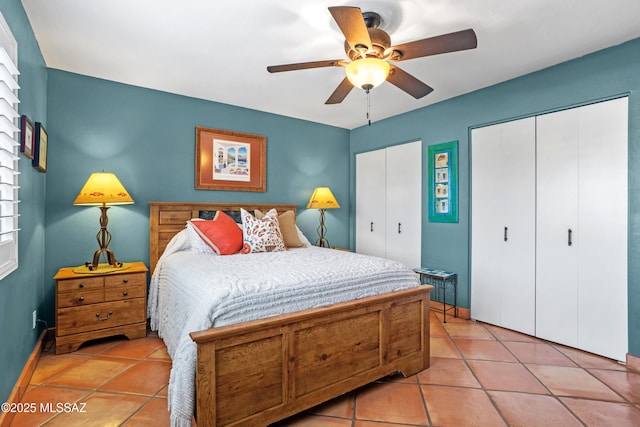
[380, 42]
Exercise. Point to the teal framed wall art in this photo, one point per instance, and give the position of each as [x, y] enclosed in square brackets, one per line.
[443, 182]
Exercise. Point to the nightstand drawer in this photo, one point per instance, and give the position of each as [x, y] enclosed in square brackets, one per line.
[83, 283]
[81, 297]
[118, 293]
[131, 279]
[73, 320]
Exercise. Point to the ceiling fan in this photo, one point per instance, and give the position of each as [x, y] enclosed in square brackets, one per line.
[371, 54]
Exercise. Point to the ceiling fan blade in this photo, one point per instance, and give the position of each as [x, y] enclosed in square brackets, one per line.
[306, 65]
[452, 42]
[340, 93]
[351, 23]
[408, 83]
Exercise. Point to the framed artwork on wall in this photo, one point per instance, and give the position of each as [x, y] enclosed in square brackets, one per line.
[232, 161]
[40, 145]
[27, 135]
[443, 182]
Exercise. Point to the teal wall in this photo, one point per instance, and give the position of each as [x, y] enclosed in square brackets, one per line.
[147, 138]
[24, 290]
[602, 75]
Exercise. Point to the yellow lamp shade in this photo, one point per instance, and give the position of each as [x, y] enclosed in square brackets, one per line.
[367, 73]
[103, 188]
[322, 198]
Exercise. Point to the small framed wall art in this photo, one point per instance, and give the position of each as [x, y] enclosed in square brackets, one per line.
[227, 160]
[40, 145]
[443, 182]
[27, 135]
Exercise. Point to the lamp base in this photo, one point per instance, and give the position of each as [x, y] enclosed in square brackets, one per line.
[102, 268]
[104, 238]
[111, 259]
[322, 242]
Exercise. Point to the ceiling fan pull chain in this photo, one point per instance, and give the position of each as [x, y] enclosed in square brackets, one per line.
[369, 107]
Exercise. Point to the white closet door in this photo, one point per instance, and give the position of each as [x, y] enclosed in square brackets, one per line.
[370, 203]
[557, 223]
[582, 186]
[486, 234]
[602, 217]
[518, 178]
[404, 203]
[503, 225]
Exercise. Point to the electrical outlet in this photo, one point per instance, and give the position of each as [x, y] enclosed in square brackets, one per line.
[35, 317]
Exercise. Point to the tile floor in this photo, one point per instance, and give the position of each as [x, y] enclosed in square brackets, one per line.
[480, 375]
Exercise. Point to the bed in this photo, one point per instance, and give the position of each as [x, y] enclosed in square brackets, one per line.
[259, 371]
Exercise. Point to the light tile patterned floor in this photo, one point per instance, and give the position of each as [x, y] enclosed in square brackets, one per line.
[480, 375]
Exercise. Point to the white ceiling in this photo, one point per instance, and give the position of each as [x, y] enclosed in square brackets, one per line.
[219, 50]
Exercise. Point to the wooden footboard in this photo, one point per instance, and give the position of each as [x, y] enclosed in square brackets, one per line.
[259, 372]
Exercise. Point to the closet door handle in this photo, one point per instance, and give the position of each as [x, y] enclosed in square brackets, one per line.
[569, 233]
[371, 226]
[399, 229]
[505, 234]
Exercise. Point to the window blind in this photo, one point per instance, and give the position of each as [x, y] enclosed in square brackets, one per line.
[9, 161]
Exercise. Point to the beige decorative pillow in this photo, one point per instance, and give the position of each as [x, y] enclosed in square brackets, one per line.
[287, 221]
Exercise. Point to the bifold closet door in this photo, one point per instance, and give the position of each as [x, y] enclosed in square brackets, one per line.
[557, 227]
[503, 225]
[582, 228]
[371, 203]
[603, 218]
[404, 203]
[389, 203]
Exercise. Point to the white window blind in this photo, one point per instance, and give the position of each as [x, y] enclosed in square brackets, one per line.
[9, 151]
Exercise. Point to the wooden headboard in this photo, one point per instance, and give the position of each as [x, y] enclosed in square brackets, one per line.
[166, 219]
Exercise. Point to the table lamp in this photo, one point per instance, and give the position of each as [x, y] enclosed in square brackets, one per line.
[322, 198]
[103, 188]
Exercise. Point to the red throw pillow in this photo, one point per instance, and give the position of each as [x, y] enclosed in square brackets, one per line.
[221, 233]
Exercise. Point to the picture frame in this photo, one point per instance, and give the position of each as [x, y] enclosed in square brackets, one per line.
[27, 136]
[443, 182]
[40, 146]
[230, 161]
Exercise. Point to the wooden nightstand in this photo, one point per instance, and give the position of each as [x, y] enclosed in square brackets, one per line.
[97, 305]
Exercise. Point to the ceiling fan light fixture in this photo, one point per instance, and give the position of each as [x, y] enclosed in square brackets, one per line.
[367, 73]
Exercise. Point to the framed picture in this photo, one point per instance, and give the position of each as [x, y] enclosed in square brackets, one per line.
[40, 144]
[443, 182]
[232, 161]
[27, 135]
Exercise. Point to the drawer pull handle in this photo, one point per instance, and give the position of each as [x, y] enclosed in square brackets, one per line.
[81, 299]
[125, 293]
[125, 280]
[104, 318]
[81, 285]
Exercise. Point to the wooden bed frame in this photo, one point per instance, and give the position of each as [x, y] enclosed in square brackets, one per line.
[258, 372]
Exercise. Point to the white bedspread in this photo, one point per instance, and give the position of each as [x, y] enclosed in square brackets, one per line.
[192, 291]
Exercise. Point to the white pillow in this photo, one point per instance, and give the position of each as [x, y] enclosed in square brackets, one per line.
[195, 241]
[303, 238]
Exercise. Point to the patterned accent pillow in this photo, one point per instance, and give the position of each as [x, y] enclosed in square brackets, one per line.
[287, 221]
[261, 235]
